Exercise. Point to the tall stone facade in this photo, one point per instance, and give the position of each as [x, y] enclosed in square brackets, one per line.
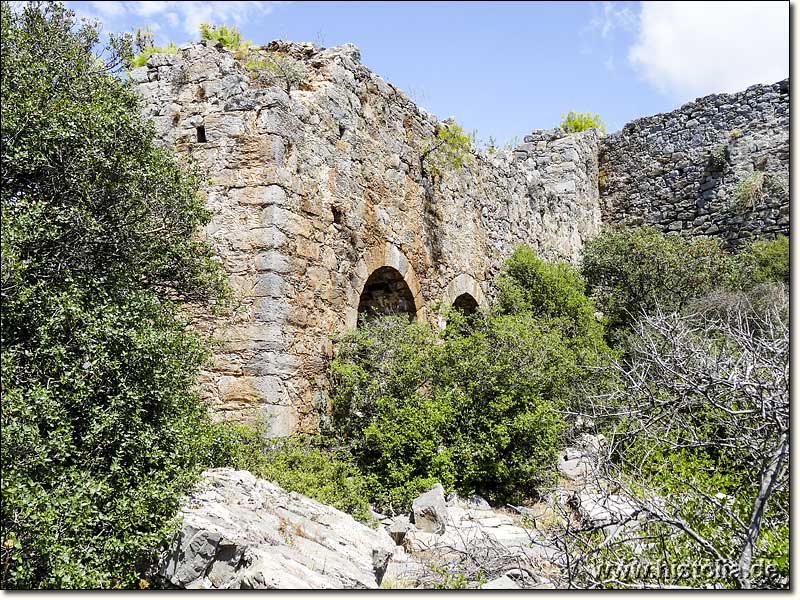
[322, 210]
[315, 190]
[689, 171]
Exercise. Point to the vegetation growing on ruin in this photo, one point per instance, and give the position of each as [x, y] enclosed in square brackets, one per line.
[140, 59]
[759, 185]
[573, 122]
[450, 148]
[227, 36]
[675, 349]
[276, 67]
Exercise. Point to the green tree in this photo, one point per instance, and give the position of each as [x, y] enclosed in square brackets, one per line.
[478, 406]
[227, 36]
[100, 257]
[451, 147]
[631, 270]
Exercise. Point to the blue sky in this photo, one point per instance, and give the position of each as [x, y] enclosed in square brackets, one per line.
[504, 68]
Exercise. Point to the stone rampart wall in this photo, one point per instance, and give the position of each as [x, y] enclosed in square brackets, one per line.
[717, 166]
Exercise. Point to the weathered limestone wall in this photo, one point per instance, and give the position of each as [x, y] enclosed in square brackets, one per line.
[680, 170]
[314, 190]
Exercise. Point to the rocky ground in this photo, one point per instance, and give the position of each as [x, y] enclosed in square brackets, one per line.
[240, 532]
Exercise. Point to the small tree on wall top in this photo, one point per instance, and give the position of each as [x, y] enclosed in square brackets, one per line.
[450, 147]
[573, 122]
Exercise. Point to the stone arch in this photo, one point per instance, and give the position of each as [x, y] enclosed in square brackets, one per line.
[461, 288]
[389, 257]
[466, 304]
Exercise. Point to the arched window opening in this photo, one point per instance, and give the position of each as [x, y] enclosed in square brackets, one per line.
[386, 293]
[466, 304]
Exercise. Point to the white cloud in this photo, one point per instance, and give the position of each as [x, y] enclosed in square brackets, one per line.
[690, 49]
[184, 15]
[613, 16]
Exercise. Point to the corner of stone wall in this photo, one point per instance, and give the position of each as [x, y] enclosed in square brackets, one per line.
[566, 167]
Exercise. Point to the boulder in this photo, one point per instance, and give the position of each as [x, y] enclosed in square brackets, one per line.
[399, 527]
[501, 583]
[474, 502]
[240, 532]
[430, 510]
[574, 463]
[600, 509]
[403, 571]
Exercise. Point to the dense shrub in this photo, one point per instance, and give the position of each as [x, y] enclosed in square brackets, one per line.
[477, 406]
[631, 270]
[294, 463]
[99, 254]
[226, 36]
[554, 290]
[763, 261]
[573, 122]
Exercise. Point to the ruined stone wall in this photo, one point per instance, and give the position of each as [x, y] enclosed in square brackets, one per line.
[315, 189]
[687, 171]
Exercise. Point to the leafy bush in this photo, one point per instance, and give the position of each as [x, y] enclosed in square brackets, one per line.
[532, 285]
[573, 122]
[763, 261]
[100, 251]
[477, 406]
[295, 464]
[224, 35]
[631, 270]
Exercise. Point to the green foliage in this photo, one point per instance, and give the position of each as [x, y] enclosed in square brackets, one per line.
[476, 406]
[572, 122]
[451, 148]
[735, 134]
[532, 285]
[295, 464]
[277, 67]
[631, 270]
[763, 261]
[226, 36]
[99, 253]
[718, 157]
[140, 59]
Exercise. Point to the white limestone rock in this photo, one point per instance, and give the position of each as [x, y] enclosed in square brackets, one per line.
[240, 532]
[430, 510]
